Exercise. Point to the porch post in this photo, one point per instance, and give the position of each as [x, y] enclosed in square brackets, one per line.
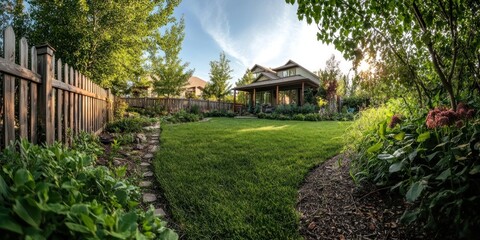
[254, 99]
[276, 97]
[301, 94]
[234, 99]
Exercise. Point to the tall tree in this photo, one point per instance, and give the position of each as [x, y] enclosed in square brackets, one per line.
[432, 45]
[169, 74]
[247, 78]
[13, 12]
[220, 71]
[105, 40]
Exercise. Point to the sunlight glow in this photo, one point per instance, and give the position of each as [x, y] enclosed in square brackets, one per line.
[267, 128]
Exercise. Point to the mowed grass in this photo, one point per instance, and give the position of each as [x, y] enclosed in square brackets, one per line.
[238, 178]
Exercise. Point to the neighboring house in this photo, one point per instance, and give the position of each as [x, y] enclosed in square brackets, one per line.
[281, 85]
[194, 88]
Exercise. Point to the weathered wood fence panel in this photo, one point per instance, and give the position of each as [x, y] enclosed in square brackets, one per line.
[44, 100]
[177, 104]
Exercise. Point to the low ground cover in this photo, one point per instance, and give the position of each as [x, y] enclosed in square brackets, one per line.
[238, 178]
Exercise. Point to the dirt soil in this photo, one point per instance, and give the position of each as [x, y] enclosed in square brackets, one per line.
[332, 206]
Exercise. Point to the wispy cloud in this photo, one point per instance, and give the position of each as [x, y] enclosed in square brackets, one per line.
[269, 41]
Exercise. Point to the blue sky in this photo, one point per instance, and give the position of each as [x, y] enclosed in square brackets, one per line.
[265, 32]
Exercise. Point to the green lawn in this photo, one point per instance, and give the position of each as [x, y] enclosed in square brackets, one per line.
[238, 178]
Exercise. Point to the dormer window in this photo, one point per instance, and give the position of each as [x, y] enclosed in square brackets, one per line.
[292, 72]
[288, 73]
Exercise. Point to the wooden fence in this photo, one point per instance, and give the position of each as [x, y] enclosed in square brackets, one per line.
[176, 104]
[43, 100]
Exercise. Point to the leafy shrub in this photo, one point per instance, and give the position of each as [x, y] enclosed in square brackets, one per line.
[356, 102]
[283, 117]
[221, 113]
[432, 160]
[312, 117]
[182, 116]
[298, 117]
[195, 109]
[262, 115]
[292, 109]
[87, 143]
[129, 125]
[57, 193]
[120, 108]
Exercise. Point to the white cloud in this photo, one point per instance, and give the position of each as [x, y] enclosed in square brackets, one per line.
[269, 41]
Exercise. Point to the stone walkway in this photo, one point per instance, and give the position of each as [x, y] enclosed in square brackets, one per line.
[149, 193]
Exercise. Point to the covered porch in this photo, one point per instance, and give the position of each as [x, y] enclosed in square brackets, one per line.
[271, 93]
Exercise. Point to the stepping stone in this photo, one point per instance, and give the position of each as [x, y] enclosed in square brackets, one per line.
[145, 164]
[149, 197]
[153, 149]
[159, 212]
[206, 119]
[148, 156]
[145, 184]
[154, 135]
[139, 147]
[147, 174]
[140, 138]
[153, 142]
[118, 161]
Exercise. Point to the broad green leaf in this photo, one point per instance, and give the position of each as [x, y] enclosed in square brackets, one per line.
[79, 209]
[375, 148]
[8, 223]
[444, 175]
[128, 222]
[423, 137]
[22, 176]
[475, 170]
[409, 217]
[431, 156]
[398, 153]
[88, 222]
[3, 188]
[399, 136]
[395, 167]
[29, 214]
[121, 196]
[414, 192]
[168, 234]
[77, 227]
[412, 155]
[382, 128]
[385, 156]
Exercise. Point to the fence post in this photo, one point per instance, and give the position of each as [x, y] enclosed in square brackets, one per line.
[45, 69]
[110, 106]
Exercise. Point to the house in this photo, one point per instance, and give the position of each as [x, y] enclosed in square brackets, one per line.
[194, 88]
[281, 85]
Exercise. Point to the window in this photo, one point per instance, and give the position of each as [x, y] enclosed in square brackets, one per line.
[292, 72]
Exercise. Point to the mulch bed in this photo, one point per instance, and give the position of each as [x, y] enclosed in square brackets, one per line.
[332, 206]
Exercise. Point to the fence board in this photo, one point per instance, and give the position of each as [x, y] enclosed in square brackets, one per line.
[176, 104]
[9, 88]
[59, 103]
[33, 99]
[23, 99]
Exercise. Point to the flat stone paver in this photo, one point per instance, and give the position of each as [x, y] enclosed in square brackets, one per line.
[148, 174]
[149, 197]
[153, 142]
[159, 212]
[145, 184]
[148, 156]
[153, 149]
[206, 119]
[145, 164]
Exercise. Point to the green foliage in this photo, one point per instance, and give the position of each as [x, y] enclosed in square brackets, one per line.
[436, 169]
[356, 102]
[56, 193]
[87, 143]
[182, 117]
[417, 47]
[220, 73]
[292, 109]
[105, 40]
[168, 74]
[242, 169]
[120, 108]
[129, 125]
[219, 113]
[298, 117]
[195, 109]
[246, 79]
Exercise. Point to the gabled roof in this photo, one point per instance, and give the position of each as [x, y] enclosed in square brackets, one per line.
[262, 67]
[196, 82]
[289, 64]
[269, 75]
